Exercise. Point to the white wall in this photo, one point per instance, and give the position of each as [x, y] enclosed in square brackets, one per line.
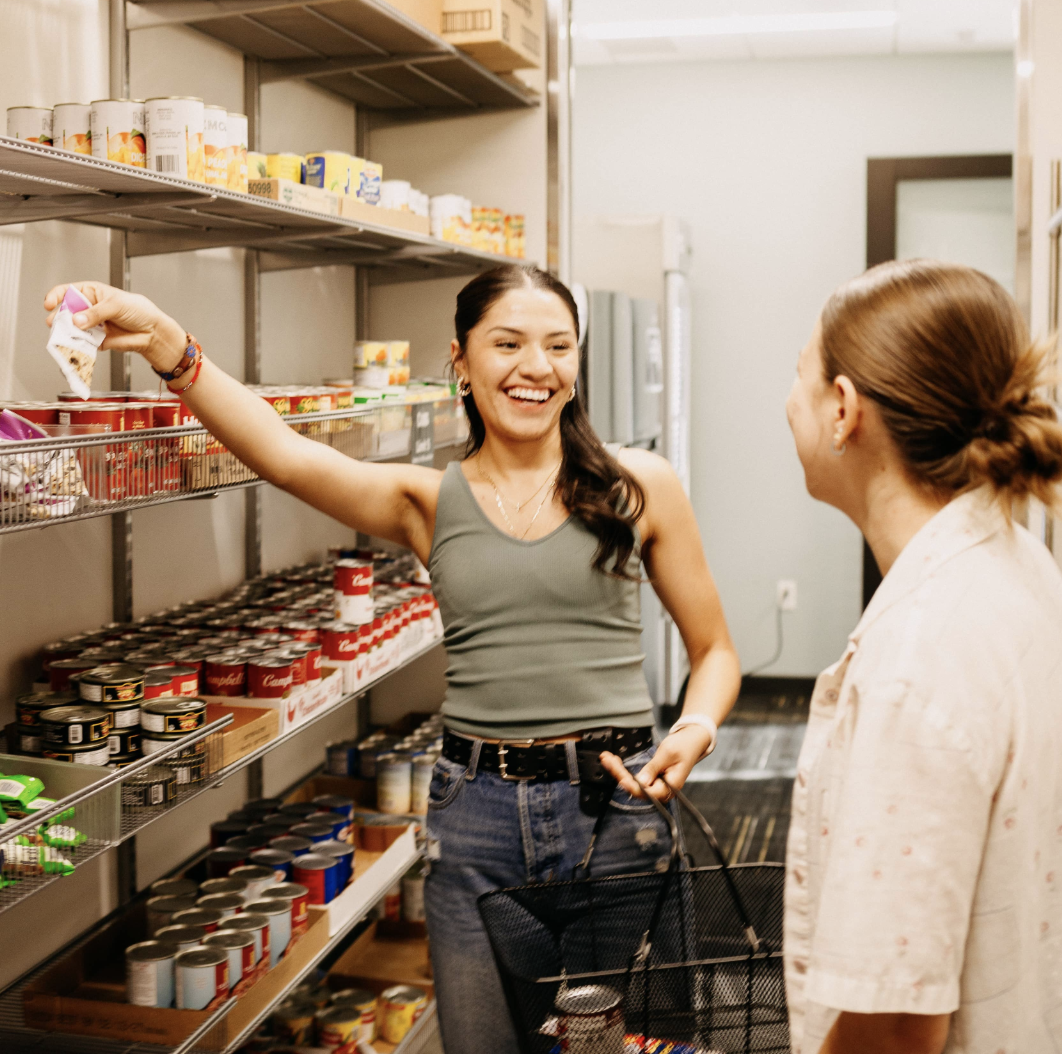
[767, 161]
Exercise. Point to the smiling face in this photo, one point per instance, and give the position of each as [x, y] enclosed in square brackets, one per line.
[522, 360]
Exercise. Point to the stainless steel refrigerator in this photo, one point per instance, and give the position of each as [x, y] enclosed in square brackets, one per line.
[634, 294]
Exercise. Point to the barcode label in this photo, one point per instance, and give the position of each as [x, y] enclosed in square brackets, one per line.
[166, 162]
[466, 21]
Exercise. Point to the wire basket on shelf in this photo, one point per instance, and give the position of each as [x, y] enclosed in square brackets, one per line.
[688, 955]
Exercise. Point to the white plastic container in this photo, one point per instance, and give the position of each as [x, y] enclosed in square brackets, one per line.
[174, 127]
[237, 124]
[72, 127]
[31, 123]
[216, 146]
[395, 194]
[117, 130]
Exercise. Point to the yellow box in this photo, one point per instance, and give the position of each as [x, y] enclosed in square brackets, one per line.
[504, 35]
[286, 166]
[370, 353]
[398, 352]
[330, 170]
[257, 165]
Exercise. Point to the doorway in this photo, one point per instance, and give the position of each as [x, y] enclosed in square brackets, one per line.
[958, 209]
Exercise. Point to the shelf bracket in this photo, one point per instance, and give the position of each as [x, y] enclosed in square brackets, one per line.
[303, 69]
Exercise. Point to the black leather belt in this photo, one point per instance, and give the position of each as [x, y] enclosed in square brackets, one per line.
[524, 759]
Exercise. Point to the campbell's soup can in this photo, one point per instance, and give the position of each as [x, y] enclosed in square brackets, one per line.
[310, 654]
[116, 127]
[71, 127]
[237, 174]
[158, 684]
[339, 641]
[216, 145]
[33, 124]
[269, 676]
[298, 666]
[202, 978]
[225, 675]
[302, 630]
[174, 128]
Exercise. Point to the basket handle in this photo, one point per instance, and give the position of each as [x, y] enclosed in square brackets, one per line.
[709, 834]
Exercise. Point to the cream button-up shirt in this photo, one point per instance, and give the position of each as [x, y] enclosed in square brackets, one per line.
[924, 865]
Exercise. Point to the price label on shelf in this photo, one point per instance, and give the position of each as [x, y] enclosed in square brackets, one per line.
[423, 440]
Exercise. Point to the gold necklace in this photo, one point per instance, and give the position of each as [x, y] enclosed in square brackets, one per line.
[501, 507]
[517, 505]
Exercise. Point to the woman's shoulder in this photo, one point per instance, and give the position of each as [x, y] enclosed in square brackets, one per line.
[649, 469]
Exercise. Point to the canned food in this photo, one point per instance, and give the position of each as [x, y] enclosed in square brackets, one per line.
[590, 1016]
[226, 674]
[174, 887]
[420, 783]
[116, 127]
[364, 1001]
[279, 914]
[264, 833]
[173, 715]
[341, 758]
[216, 145]
[207, 917]
[149, 979]
[293, 1021]
[161, 909]
[303, 631]
[400, 1007]
[28, 708]
[318, 994]
[184, 936]
[394, 784]
[124, 741]
[263, 806]
[185, 680]
[258, 878]
[112, 684]
[329, 170]
[174, 129]
[340, 641]
[286, 166]
[257, 165]
[223, 830]
[297, 898]
[228, 904]
[223, 885]
[124, 715]
[74, 726]
[279, 860]
[219, 862]
[71, 128]
[32, 124]
[352, 583]
[240, 949]
[202, 978]
[298, 665]
[344, 853]
[392, 903]
[189, 764]
[86, 754]
[158, 684]
[61, 670]
[280, 819]
[29, 739]
[269, 677]
[413, 894]
[237, 174]
[319, 874]
[258, 927]
[338, 1026]
[145, 790]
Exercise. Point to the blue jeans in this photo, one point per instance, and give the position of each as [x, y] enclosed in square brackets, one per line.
[487, 833]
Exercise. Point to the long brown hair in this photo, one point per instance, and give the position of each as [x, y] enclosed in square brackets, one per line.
[593, 485]
[944, 352]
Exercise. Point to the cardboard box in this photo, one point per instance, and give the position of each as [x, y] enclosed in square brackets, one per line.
[377, 962]
[295, 708]
[251, 728]
[350, 208]
[503, 35]
[427, 13]
[84, 993]
[298, 195]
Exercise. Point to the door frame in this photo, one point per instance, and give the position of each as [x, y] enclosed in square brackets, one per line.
[883, 175]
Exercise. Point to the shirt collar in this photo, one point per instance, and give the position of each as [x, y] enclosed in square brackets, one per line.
[964, 522]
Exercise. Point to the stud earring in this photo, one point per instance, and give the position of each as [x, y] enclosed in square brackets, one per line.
[463, 388]
[571, 395]
[839, 451]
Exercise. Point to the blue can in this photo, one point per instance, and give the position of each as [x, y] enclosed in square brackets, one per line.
[342, 851]
[291, 844]
[341, 759]
[278, 859]
[320, 875]
[344, 806]
[340, 824]
[316, 832]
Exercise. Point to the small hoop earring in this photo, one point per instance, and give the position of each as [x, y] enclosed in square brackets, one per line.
[836, 452]
[464, 388]
[571, 395]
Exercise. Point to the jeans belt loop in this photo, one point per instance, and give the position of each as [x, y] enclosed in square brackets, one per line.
[473, 761]
[573, 761]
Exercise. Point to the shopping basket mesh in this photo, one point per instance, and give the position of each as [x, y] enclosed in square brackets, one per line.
[700, 982]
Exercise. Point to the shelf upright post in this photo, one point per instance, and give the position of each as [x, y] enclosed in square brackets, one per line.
[558, 139]
[362, 130]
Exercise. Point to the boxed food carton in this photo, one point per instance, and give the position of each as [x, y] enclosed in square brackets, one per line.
[503, 35]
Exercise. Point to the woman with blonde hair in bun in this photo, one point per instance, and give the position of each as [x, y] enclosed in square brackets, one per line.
[924, 868]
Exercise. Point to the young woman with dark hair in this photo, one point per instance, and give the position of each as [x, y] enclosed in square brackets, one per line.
[924, 866]
[535, 544]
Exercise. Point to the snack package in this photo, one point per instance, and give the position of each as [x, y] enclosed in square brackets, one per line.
[59, 836]
[43, 803]
[36, 485]
[29, 860]
[74, 349]
[18, 790]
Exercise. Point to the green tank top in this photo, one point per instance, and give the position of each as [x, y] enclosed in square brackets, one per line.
[539, 643]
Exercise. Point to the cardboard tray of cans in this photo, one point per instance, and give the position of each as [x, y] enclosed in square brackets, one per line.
[294, 708]
[84, 993]
[251, 728]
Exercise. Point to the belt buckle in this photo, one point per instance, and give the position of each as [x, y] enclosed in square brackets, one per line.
[502, 767]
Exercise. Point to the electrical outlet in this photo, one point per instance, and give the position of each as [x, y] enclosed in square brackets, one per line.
[787, 594]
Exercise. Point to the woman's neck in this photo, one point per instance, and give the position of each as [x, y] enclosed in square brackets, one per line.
[510, 458]
[893, 511]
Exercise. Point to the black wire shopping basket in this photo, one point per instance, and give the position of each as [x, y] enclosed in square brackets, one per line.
[687, 955]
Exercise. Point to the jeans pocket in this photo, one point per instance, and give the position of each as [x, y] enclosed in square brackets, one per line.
[447, 778]
[625, 802]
